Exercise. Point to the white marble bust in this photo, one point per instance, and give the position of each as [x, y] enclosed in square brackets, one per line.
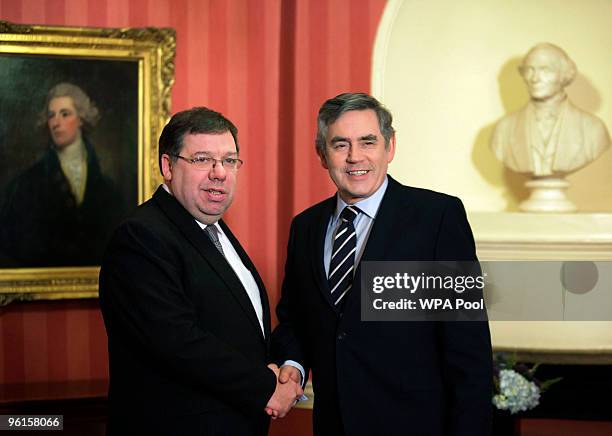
[549, 137]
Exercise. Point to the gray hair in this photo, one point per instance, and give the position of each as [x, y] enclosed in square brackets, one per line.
[568, 67]
[333, 108]
[85, 108]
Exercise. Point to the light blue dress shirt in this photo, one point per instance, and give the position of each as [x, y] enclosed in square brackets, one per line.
[363, 223]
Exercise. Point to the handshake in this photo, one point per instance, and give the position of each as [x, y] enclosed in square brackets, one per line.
[288, 391]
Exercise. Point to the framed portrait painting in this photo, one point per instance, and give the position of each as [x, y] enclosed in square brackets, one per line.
[80, 113]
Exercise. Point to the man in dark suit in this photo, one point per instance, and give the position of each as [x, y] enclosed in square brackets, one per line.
[185, 310]
[377, 378]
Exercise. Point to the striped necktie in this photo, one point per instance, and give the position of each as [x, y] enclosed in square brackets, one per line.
[342, 265]
[213, 234]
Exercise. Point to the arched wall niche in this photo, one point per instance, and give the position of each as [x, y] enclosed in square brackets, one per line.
[448, 72]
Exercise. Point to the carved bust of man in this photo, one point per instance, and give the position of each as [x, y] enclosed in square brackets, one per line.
[549, 136]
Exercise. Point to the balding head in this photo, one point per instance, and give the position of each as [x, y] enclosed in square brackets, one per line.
[547, 69]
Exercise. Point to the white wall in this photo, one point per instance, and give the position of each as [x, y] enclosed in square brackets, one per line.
[447, 70]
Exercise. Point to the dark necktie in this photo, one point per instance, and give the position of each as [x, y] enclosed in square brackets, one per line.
[213, 234]
[342, 263]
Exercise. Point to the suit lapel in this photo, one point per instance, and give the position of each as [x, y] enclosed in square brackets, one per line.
[193, 233]
[319, 230]
[260, 285]
[387, 225]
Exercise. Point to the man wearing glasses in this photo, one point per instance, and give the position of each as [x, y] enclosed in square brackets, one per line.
[185, 310]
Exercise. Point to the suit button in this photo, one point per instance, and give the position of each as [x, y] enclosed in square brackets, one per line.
[341, 336]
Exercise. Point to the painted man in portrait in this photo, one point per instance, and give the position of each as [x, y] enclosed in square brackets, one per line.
[61, 210]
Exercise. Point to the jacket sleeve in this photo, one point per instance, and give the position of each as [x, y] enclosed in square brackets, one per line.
[466, 345]
[284, 341]
[144, 304]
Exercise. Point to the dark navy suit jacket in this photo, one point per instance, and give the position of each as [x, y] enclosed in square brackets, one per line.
[385, 378]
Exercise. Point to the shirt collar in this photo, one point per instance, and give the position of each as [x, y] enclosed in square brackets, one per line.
[368, 205]
[202, 225]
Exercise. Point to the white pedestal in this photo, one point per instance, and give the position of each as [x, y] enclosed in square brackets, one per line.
[547, 196]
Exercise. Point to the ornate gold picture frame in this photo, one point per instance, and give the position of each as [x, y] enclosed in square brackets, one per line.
[81, 110]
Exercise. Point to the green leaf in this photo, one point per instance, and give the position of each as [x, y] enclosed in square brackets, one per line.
[548, 383]
[512, 360]
[533, 369]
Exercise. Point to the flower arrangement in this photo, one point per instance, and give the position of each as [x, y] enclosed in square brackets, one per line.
[516, 388]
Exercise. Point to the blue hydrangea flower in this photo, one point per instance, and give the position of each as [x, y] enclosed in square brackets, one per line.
[516, 392]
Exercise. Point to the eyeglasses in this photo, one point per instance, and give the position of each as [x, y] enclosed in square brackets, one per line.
[205, 163]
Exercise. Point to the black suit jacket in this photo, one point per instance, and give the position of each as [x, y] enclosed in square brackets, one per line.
[41, 224]
[186, 351]
[385, 378]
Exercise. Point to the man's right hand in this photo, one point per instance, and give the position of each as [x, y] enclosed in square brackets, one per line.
[288, 372]
[285, 395]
